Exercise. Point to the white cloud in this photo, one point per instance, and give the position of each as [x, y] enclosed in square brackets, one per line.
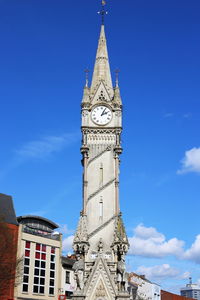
[168, 115]
[148, 242]
[160, 272]
[46, 146]
[67, 243]
[191, 161]
[193, 253]
[64, 229]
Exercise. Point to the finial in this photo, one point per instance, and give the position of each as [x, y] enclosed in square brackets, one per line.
[117, 77]
[86, 76]
[102, 12]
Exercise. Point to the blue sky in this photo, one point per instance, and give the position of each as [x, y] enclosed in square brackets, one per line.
[45, 47]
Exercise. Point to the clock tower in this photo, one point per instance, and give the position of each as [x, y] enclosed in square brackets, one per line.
[100, 242]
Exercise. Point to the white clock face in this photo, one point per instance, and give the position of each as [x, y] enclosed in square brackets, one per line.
[101, 115]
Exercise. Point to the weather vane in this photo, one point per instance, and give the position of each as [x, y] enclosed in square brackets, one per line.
[102, 12]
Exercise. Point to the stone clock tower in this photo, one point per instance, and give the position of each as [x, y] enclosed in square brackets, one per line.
[100, 242]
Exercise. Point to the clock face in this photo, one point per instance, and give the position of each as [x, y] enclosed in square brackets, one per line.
[101, 115]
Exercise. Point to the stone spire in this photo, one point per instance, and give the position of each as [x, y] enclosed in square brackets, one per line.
[101, 71]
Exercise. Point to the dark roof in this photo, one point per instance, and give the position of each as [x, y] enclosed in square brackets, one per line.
[67, 261]
[7, 211]
[38, 218]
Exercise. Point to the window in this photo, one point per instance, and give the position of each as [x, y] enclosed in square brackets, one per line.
[52, 272]
[36, 272]
[52, 257]
[26, 261]
[25, 279]
[43, 264]
[25, 288]
[35, 289]
[51, 282]
[28, 245]
[51, 291]
[27, 253]
[26, 270]
[43, 256]
[26, 266]
[36, 280]
[39, 272]
[42, 272]
[37, 263]
[67, 277]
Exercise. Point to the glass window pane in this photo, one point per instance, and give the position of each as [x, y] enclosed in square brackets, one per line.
[51, 291]
[36, 272]
[52, 249]
[67, 277]
[51, 282]
[38, 247]
[26, 261]
[25, 288]
[43, 264]
[35, 289]
[42, 290]
[28, 245]
[42, 273]
[43, 256]
[52, 266]
[36, 280]
[37, 263]
[26, 270]
[42, 281]
[52, 257]
[43, 248]
[52, 274]
[25, 279]
[37, 255]
[27, 253]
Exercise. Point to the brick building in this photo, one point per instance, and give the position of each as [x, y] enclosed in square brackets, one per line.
[170, 296]
[9, 265]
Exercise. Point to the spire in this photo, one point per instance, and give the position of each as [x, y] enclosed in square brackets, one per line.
[102, 68]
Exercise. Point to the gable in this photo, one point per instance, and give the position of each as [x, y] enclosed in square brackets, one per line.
[100, 284]
[102, 94]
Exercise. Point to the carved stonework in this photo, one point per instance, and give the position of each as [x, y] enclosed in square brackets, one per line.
[80, 243]
[120, 243]
[78, 268]
[99, 279]
[107, 138]
[118, 113]
[100, 291]
[85, 113]
[101, 130]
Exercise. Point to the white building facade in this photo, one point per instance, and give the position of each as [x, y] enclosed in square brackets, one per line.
[67, 277]
[143, 288]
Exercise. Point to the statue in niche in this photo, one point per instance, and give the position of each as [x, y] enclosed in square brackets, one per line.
[121, 274]
[78, 268]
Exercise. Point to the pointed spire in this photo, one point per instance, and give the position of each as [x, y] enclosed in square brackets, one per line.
[102, 68]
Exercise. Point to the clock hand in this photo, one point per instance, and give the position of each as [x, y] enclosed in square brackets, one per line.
[103, 113]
